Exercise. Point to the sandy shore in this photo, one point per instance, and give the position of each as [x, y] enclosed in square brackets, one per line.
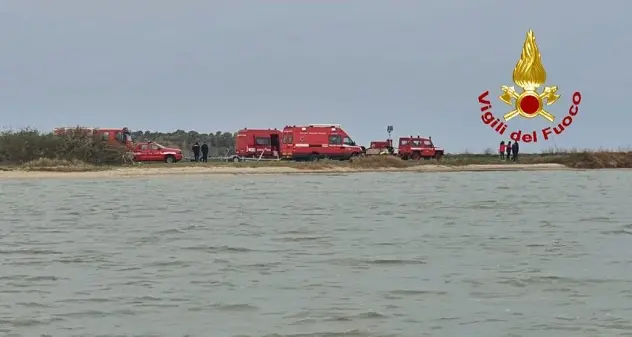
[227, 170]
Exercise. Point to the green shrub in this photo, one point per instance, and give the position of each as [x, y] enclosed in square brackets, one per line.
[19, 147]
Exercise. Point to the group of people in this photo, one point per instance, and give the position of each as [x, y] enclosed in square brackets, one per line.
[510, 149]
[200, 153]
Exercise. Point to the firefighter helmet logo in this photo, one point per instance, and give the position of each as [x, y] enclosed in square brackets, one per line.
[529, 101]
[529, 74]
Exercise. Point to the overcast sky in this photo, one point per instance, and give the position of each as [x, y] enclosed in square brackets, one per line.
[223, 65]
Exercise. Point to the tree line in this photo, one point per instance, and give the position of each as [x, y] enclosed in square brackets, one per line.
[219, 142]
[18, 147]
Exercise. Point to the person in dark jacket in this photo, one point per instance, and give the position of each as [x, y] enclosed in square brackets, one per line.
[196, 151]
[508, 150]
[205, 152]
[515, 148]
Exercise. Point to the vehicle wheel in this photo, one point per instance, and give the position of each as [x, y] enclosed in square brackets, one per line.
[354, 156]
[236, 160]
[438, 157]
[170, 159]
[314, 157]
[415, 156]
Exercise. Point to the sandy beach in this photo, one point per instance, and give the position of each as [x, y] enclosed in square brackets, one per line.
[131, 172]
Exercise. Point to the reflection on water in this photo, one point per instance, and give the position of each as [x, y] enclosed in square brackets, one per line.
[458, 254]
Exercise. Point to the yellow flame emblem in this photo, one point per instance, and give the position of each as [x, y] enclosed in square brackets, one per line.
[529, 74]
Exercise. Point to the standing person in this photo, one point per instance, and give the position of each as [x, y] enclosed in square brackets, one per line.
[502, 150]
[205, 152]
[515, 149]
[196, 151]
[508, 150]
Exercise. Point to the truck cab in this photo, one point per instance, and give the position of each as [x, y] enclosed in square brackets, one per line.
[416, 148]
[151, 151]
[318, 141]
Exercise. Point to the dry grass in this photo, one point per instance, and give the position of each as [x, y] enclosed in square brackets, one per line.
[583, 159]
[362, 162]
[592, 160]
[379, 162]
[59, 165]
[370, 162]
[556, 151]
[573, 159]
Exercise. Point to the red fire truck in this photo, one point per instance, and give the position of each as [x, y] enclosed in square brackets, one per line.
[381, 147]
[151, 151]
[316, 141]
[416, 148]
[257, 144]
[113, 135]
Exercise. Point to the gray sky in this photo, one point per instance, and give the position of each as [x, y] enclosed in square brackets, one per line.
[223, 65]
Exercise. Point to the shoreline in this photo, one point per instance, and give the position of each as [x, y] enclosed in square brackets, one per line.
[140, 172]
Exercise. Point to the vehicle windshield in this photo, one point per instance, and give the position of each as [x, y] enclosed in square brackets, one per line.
[419, 142]
[348, 141]
[155, 146]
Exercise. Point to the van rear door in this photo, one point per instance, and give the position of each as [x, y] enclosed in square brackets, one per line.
[287, 145]
[262, 144]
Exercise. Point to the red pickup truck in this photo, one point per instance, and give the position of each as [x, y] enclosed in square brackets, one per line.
[150, 151]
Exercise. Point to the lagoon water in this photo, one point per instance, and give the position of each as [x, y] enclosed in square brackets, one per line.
[362, 255]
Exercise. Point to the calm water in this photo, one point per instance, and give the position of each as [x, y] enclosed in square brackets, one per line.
[460, 254]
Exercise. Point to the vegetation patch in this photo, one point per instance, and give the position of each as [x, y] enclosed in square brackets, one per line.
[31, 148]
[60, 165]
[594, 160]
[378, 161]
[572, 159]
[75, 152]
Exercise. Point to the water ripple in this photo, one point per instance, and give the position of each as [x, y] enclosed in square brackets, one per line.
[367, 255]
